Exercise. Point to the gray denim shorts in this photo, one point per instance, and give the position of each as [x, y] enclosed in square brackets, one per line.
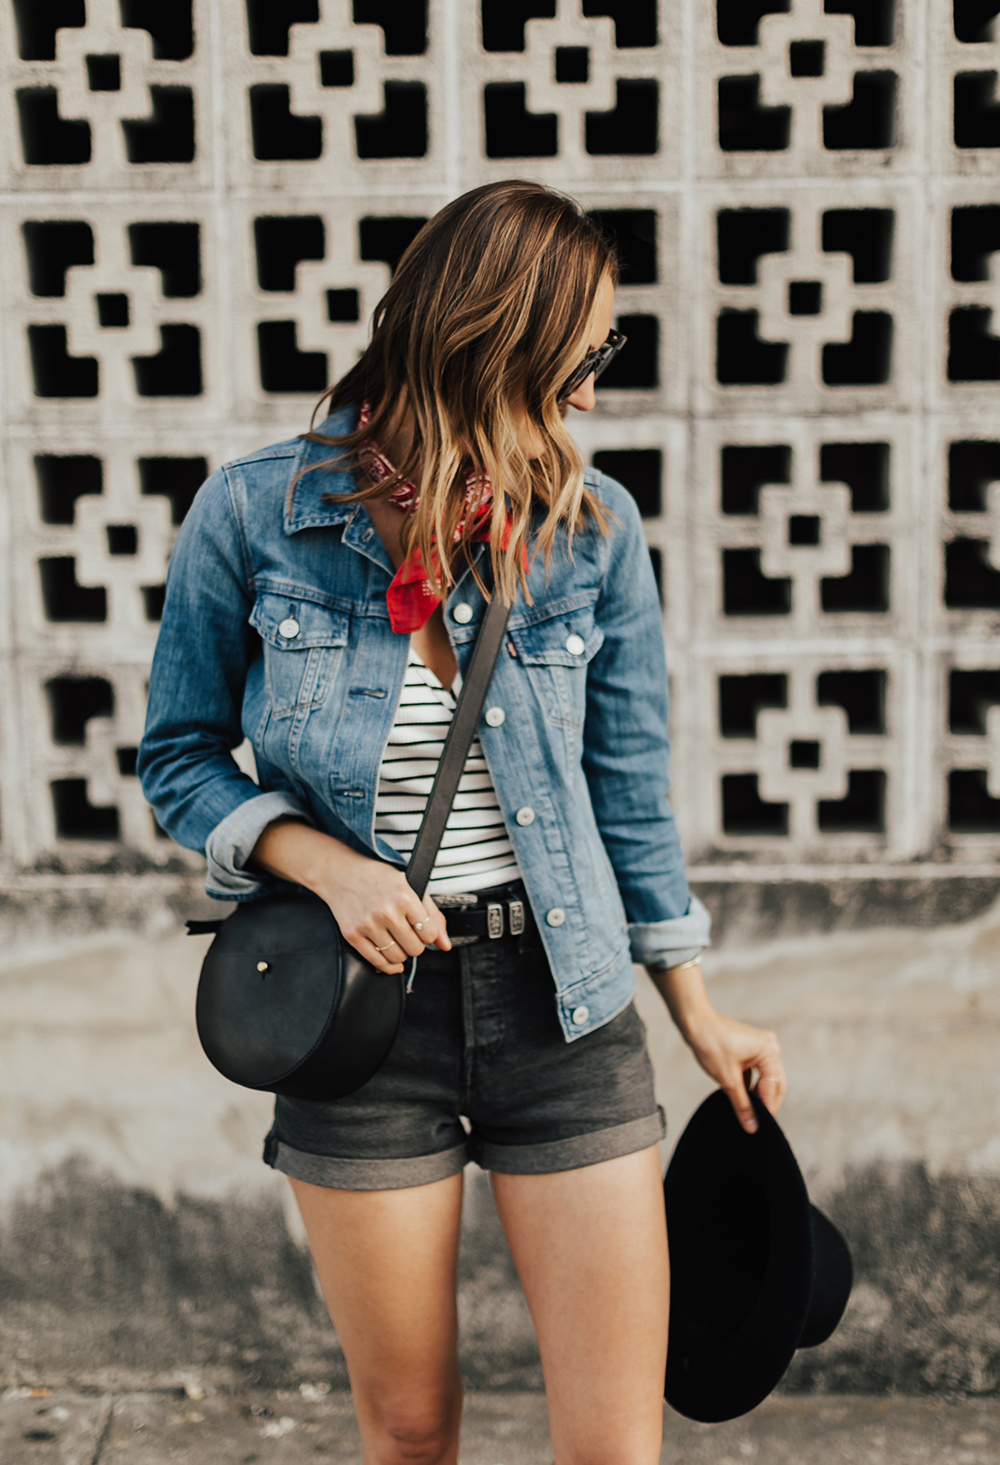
[479, 1041]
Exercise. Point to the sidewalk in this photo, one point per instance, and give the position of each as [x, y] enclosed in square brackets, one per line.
[59, 1427]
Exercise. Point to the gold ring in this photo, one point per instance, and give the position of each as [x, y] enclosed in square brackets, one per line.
[387, 945]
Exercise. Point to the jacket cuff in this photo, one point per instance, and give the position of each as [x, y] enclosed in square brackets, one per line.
[231, 843]
[667, 943]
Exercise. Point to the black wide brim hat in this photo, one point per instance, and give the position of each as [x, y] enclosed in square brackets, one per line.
[755, 1270]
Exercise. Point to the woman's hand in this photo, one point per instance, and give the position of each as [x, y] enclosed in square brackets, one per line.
[377, 912]
[727, 1050]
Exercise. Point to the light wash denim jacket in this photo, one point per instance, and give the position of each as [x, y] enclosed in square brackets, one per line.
[275, 628]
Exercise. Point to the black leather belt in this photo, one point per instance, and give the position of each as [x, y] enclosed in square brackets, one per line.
[486, 919]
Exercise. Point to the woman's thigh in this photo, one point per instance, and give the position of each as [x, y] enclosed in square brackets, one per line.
[387, 1263]
[591, 1250]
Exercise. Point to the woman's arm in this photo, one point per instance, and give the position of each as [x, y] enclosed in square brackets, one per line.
[194, 716]
[727, 1050]
[371, 901]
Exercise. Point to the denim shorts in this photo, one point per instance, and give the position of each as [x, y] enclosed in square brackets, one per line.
[479, 1071]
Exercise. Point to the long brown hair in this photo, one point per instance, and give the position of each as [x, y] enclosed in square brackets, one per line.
[489, 309]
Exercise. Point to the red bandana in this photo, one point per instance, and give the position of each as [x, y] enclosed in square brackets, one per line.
[411, 596]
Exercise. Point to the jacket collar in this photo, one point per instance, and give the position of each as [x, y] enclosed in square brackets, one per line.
[304, 505]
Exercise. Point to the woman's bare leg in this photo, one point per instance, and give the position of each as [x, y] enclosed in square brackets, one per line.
[591, 1249]
[387, 1263]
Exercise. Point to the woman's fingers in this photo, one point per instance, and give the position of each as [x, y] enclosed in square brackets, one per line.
[435, 932]
[736, 1089]
[772, 1085]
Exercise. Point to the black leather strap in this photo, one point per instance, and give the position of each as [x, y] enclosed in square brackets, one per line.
[458, 742]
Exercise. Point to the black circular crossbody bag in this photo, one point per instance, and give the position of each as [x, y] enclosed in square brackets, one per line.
[284, 1002]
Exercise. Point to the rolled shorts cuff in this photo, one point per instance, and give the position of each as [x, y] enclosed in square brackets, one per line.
[573, 1153]
[368, 1174]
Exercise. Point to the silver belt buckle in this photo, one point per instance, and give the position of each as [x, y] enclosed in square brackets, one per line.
[494, 920]
[515, 913]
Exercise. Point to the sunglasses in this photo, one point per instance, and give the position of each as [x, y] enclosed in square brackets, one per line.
[592, 365]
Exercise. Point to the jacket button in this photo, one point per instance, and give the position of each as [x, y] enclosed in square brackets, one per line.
[579, 1015]
[495, 716]
[556, 916]
[289, 629]
[575, 645]
[462, 613]
[525, 816]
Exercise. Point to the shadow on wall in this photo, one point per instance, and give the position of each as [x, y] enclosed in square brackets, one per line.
[106, 1286]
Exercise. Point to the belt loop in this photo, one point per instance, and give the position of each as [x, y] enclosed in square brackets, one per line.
[494, 920]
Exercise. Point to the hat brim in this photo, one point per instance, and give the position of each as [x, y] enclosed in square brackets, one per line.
[742, 1262]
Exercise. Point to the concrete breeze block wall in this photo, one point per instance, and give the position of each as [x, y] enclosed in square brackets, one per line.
[200, 204]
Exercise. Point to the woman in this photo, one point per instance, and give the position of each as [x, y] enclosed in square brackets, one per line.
[323, 597]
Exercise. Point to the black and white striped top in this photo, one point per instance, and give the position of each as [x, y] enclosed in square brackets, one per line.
[475, 852]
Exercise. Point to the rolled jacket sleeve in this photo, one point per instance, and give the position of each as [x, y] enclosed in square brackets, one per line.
[194, 716]
[668, 943]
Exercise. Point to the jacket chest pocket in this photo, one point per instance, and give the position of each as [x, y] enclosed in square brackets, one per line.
[556, 652]
[303, 648]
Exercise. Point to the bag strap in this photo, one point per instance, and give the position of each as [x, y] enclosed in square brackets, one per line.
[458, 742]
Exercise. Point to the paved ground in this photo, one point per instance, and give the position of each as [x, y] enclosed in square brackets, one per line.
[59, 1427]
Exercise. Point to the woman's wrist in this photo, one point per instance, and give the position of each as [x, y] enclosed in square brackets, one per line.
[296, 851]
[682, 988]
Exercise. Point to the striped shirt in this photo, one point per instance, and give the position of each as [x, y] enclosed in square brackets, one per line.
[475, 852]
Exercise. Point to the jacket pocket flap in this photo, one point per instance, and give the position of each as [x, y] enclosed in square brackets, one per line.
[296, 625]
[570, 639]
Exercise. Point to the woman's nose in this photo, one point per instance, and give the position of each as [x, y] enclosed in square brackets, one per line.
[584, 399]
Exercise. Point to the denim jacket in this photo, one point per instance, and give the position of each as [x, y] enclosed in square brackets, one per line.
[275, 628]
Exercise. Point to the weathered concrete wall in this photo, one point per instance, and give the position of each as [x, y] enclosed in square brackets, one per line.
[143, 1240]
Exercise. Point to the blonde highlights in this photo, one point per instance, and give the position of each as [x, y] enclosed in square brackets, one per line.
[487, 315]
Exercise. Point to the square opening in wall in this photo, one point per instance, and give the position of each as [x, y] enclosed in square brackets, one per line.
[970, 580]
[974, 21]
[282, 243]
[177, 479]
[640, 470]
[632, 233]
[865, 587]
[38, 23]
[742, 697]
[744, 468]
[862, 696]
[805, 297]
[806, 58]
[104, 73]
[52, 247]
[73, 701]
[971, 694]
[171, 26]
[746, 125]
[76, 817]
[804, 529]
[49, 140]
[572, 64]
[343, 307]
[864, 467]
[112, 311]
[745, 813]
[972, 809]
[804, 753]
[336, 68]
[737, 22]
[861, 810]
[972, 466]
[123, 539]
[62, 480]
